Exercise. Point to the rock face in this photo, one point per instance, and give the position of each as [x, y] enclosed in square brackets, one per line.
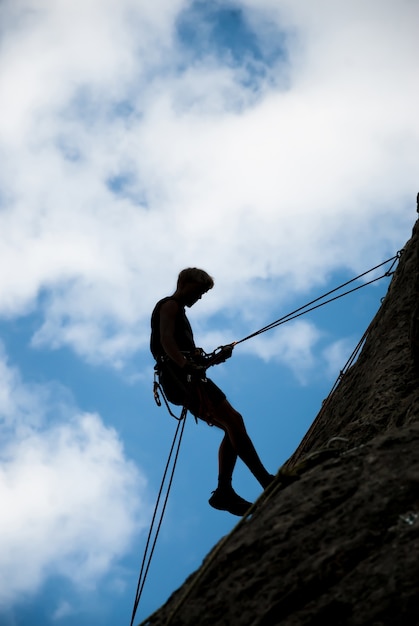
[335, 540]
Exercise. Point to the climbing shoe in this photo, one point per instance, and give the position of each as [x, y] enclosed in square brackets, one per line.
[229, 500]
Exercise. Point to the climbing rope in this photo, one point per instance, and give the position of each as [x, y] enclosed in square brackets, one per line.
[148, 555]
[310, 306]
[290, 464]
[306, 308]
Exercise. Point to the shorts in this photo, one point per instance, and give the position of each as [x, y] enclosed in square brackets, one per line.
[199, 397]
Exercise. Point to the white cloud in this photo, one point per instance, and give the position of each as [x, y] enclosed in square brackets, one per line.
[71, 501]
[292, 345]
[312, 169]
[64, 609]
[337, 354]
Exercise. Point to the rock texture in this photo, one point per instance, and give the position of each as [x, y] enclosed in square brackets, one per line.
[336, 538]
[381, 390]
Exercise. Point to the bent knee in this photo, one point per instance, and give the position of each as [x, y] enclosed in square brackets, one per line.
[230, 417]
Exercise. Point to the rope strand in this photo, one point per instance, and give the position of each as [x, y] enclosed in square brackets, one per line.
[145, 565]
[302, 310]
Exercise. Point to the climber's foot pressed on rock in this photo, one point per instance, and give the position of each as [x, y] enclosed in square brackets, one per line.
[228, 500]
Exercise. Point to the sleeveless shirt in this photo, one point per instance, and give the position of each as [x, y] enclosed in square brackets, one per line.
[183, 334]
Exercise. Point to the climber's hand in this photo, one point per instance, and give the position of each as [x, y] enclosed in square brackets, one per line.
[225, 352]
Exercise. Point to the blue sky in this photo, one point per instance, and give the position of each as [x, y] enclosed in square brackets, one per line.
[274, 144]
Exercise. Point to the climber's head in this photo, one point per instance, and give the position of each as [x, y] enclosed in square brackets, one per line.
[192, 283]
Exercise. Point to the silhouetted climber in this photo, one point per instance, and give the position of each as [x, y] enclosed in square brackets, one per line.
[181, 368]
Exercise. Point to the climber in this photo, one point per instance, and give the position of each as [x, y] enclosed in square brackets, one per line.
[182, 374]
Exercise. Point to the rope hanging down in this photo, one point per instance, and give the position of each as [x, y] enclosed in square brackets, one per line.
[177, 439]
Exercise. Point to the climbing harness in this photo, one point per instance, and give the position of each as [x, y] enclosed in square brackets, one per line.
[158, 390]
[213, 358]
[193, 385]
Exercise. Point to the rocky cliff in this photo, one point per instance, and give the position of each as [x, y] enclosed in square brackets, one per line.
[335, 540]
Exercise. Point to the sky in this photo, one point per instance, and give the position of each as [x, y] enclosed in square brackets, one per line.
[273, 143]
